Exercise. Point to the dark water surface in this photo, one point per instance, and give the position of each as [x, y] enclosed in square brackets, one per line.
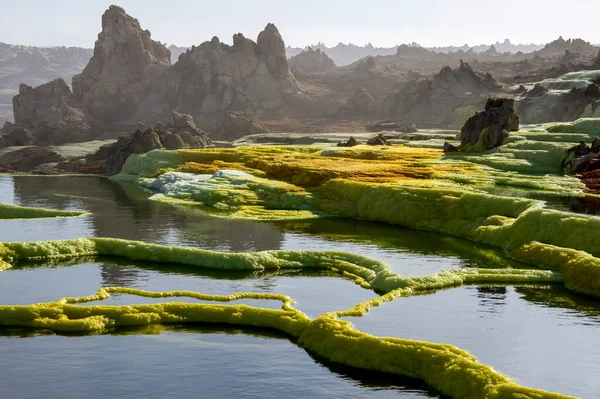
[543, 337]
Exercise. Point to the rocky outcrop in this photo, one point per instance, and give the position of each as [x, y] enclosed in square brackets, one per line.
[378, 140]
[312, 61]
[182, 133]
[560, 46]
[561, 107]
[215, 78]
[352, 142]
[449, 147]
[17, 137]
[521, 90]
[580, 159]
[490, 127]
[359, 103]
[27, 159]
[438, 101]
[119, 76]
[271, 46]
[51, 112]
[238, 124]
[130, 79]
[595, 148]
[35, 66]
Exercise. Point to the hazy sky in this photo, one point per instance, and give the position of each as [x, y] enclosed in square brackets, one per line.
[304, 22]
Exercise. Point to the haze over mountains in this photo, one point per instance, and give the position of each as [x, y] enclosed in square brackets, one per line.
[36, 65]
[133, 79]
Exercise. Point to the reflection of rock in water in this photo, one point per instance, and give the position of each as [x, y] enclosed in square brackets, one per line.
[560, 297]
[491, 299]
[123, 211]
[118, 276]
[265, 285]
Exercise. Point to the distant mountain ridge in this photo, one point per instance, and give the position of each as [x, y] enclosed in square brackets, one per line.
[345, 54]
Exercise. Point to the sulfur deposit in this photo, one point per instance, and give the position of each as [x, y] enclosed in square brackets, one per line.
[448, 369]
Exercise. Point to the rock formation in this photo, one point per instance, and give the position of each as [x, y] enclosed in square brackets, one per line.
[490, 127]
[596, 64]
[359, 103]
[561, 107]
[449, 147]
[17, 137]
[378, 140]
[214, 78]
[312, 61]
[238, 124]
[51, 112]
[439, 101]
[271, 46]
[182, 133]
[35, 66]
[560, 46]
[119, 76]
[521, 90]
[352, 142]
[27, 159]
[130, 79]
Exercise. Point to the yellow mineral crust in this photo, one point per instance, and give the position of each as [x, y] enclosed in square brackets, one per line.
[367, 272]
[412, 187]
[23, 212]
[446, 368]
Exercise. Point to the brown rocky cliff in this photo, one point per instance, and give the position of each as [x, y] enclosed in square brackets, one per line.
[312, 61]
[130, 79]
[125, 62]
[214, 78]
[271, 45]
[436, 101]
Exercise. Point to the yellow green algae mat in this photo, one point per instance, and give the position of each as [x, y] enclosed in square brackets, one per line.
[501, 199]
[446, 368]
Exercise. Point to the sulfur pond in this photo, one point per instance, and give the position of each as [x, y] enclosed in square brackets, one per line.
[540, 335]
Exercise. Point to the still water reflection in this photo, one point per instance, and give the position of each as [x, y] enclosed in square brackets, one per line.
[544, 337]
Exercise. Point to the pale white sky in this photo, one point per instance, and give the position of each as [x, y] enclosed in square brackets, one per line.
[304, 22]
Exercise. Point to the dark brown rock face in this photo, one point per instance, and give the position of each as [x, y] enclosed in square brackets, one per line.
[27, 159]
[350, 143]
[499, 116]
[596, 145]
[378, 140]
[52, 114]
[182, 133]
[17, 137]
[449, 147]
[237, 124]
